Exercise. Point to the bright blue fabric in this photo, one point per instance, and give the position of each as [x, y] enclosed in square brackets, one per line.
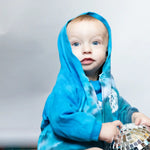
[72, 117]
[97, 87]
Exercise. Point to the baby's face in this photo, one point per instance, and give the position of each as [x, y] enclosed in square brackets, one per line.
[89, 41]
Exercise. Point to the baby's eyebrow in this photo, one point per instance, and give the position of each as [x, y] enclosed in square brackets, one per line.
[74, 38]
[99, 36]
[104, 35]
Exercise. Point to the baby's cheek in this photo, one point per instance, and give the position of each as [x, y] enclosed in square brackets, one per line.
[77, 54]
[101, 56]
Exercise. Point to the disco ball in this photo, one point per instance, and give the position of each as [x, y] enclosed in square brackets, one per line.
[133, 137]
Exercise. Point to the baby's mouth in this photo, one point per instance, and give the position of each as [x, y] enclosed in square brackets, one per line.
[87, 61]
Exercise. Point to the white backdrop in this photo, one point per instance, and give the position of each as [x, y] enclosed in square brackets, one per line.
[29, 60]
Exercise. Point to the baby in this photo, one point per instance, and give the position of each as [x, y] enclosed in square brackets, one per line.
[84, 110]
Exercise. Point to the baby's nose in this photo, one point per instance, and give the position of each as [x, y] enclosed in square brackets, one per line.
[86, 49]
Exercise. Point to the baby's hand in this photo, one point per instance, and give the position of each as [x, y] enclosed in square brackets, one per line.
[109, 131]
[139, 118]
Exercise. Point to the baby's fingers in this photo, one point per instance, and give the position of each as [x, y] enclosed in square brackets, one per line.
[118, 123]
[146, 122]
[137, 121]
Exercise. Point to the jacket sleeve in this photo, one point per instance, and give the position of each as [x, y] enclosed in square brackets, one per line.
[66, 121]
[125, 111]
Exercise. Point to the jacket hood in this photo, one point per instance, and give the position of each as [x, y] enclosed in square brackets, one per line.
[69, 62]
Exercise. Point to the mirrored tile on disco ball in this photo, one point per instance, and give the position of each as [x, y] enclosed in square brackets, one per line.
[133, 137]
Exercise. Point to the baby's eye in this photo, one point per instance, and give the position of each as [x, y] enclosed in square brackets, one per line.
[95, 43]
[75, 44]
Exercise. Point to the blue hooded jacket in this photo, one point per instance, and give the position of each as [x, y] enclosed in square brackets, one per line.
[72, 117]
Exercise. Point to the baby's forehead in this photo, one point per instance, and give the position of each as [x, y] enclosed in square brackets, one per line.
[88, 21]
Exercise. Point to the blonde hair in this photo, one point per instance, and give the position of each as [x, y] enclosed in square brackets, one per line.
[83, 17]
